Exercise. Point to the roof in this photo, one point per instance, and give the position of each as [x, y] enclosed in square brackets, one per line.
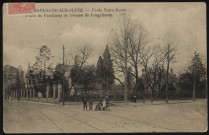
[7, 67]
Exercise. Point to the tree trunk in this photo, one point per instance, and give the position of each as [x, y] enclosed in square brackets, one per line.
[166, 93]
[135, 87]
[126, 88]
[151, 95]
[137, 81]
[126, 66]
[166, 90]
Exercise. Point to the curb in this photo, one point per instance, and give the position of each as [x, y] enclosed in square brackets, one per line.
[43, 103]
[38, 103]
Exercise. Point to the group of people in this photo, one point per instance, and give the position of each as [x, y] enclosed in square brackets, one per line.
[101, 106]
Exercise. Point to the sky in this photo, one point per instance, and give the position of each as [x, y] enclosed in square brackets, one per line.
[22, 36]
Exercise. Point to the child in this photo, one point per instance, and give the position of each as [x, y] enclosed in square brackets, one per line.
[39, 96]
[135, 98]
[98, 108]
[103, 104]
[107, 101]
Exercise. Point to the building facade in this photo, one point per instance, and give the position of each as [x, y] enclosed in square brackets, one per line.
[13, 81]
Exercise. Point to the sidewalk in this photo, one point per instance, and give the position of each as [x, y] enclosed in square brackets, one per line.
[159, 102]
[113, 103]
[44, 101]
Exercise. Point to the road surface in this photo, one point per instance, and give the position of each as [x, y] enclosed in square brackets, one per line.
[29, 117]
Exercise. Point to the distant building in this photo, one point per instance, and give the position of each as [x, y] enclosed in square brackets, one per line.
[10, 73]
[13, 79]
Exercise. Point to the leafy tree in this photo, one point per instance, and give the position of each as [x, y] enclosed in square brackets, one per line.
[194, 78]
[76, 75]
[42, 61]
[59, 75]
[80, 59]
[88, 77]
[199, 75]
[38, 70]
[108, 69]
[100, 71]
[38, 81]
[82, 76]
[200, 70]
[59, 72]
[185, 84]
[104, 71]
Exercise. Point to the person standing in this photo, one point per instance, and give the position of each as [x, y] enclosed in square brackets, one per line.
[90, 104]
[107, 101]
[39, 96]
[135, 98]
[84, 100]
[103, 104]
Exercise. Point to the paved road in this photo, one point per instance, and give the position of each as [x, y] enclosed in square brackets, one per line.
[27, 117]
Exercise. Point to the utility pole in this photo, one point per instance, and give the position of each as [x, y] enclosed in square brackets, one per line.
[194, 76]
[63, 77]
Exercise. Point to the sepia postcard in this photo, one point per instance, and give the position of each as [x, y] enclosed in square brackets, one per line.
[105, 67]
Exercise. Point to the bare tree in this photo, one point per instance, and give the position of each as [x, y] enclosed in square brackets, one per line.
[156, 71]
[158, 65]
[170, 52]
[137, 41]
[127, 50]
[120, 43]
[130, 48]
[81, 56]
[84, 52]
[146, 55]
